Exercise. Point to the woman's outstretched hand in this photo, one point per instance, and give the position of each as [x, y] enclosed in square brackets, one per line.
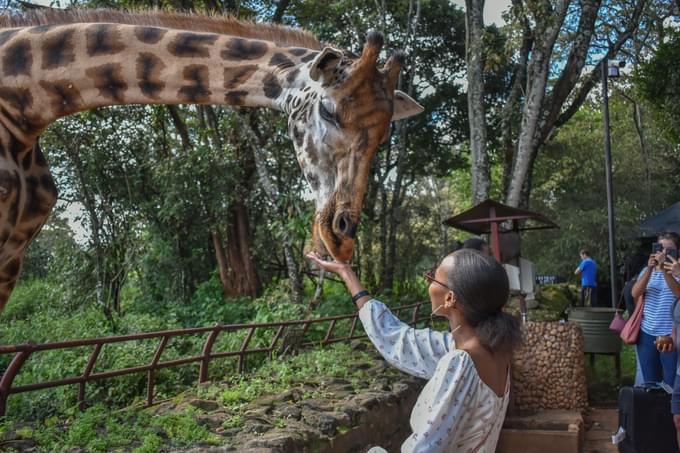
[337, 267]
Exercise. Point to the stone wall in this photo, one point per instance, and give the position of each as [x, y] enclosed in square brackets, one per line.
[548, 371]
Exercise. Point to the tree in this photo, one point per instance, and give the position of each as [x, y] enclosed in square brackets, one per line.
[659, 82]
[554, 42]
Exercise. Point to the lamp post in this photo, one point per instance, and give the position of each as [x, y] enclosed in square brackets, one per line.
[609, 69]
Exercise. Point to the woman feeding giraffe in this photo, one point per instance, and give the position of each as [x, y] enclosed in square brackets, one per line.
[462, 407]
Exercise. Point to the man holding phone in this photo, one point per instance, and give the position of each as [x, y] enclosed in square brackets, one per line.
[588, 270]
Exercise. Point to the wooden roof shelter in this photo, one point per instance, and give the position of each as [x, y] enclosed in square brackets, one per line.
[487, 217]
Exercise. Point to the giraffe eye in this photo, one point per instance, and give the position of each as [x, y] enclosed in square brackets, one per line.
[326, 114]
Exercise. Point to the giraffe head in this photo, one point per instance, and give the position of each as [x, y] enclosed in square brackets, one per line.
[340, 106]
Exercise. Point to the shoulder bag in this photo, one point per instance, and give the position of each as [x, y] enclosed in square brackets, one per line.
[631, 330]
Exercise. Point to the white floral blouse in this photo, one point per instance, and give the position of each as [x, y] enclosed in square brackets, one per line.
[456, 411]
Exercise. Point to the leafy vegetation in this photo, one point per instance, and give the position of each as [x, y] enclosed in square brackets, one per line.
[99, 428]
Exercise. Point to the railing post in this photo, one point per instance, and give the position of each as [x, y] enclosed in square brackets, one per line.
[8, 377]
[329, 332]
[207, 349]
[151, 374]
[414, 318]
[354, 325]
[86, 375]
[279, 332]
[244, 346]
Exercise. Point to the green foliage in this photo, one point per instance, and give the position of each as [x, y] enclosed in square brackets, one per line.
[658, 81]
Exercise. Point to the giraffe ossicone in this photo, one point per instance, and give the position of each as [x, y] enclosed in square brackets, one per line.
[53, 64]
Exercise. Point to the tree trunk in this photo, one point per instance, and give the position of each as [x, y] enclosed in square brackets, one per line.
[474, 55]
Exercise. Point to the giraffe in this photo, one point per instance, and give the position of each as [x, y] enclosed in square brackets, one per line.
[53, 63]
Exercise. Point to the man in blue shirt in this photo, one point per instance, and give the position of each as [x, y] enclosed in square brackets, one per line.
[588, 270]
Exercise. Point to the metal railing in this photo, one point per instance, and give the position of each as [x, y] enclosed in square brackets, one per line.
[23, 351]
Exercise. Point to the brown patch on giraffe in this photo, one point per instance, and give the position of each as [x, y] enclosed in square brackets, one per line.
[17, 59]
[8, 184]
[271, 86]
[292, 75]
[309, 57]
[40, 29]
[234, 77]
[103, 39]
[12, 268]
[244, 49]
[27, 160]
[297, 51]
[150, 35]
[298, 136]
[64, 97]
[281, 61]
[48, 185]
[109, 80]
[236, 97]
[58, 50]
[188, 44]
[196, 92]
[37, 204]
[149, 69]
[20, 100]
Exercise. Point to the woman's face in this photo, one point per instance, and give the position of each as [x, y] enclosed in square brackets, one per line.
[667, 244]
[438, 289]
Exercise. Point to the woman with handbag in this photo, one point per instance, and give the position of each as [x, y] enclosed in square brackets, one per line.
[658, 289]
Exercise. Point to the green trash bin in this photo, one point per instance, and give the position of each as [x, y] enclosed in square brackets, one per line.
[594, 322]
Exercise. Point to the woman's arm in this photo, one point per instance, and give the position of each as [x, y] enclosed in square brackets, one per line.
[414, 351]
[641, 284]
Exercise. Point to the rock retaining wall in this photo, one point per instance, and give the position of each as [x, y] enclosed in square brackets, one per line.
[548, 371]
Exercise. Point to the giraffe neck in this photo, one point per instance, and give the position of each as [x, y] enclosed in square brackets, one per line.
[49, 72]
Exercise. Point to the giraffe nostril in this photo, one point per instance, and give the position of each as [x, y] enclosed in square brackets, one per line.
[343, 225]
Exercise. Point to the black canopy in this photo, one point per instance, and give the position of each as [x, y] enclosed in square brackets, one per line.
[666, 220]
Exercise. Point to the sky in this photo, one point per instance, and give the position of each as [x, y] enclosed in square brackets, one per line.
[492, 10]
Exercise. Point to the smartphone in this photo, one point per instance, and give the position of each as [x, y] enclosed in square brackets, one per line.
[672, 252]
[656, 247]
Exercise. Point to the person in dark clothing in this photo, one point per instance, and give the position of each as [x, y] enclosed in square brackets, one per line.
[477, 244]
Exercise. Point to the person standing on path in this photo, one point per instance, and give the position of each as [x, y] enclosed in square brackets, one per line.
[588, 270]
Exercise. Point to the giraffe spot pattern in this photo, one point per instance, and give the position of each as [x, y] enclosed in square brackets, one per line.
[18, 58]
[37, 204]
[233, 77]
[20, 100]
[103, 39]
[237, 97]
[150, 35]
[309, 57]
[297, 51]
[64, 97]
[27, 160]
[109, 80]
[197, 91]
[243, 49]
[191, 45]
[149, 68]
[281, 61]
[271, 86]
[292, 75]
[57, 50]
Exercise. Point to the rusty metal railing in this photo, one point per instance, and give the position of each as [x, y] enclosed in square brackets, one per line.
[23, 351]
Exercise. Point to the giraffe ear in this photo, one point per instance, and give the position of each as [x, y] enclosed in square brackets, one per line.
[404, 106]
[324, 64]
